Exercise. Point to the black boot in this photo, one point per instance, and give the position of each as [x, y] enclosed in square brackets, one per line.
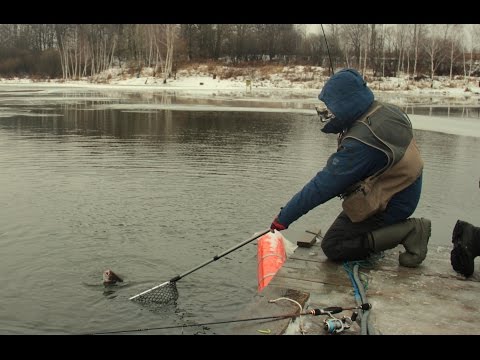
[466, 246]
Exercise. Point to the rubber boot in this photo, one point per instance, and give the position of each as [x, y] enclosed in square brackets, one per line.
[466, 246]
[412, 233]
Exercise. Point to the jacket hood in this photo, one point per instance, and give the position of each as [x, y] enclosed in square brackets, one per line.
[348, 97]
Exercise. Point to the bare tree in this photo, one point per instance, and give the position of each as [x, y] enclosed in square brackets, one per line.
[352, 33]
[436, 46]
[416, 35]
[400, 44]
[88, 49]
[241, 33]
[221, 30]
[62, 34]
[164, 36]
[454, 53]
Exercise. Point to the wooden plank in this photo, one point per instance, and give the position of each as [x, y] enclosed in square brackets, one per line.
[327, 273]
[314, 253]
[437, 263]
[417, 304]
[321, 296]
[309, 238]
[262, 307]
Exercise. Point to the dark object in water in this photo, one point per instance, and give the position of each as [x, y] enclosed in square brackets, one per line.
[110, 278]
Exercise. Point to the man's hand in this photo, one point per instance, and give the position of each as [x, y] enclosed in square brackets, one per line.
[276, 225]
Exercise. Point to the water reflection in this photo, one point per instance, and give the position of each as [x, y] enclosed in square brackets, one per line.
[184, 125]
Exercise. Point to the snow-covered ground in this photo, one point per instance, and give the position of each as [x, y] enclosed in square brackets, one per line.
[205, 77]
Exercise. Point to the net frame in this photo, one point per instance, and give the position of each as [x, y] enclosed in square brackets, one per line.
[161, 294]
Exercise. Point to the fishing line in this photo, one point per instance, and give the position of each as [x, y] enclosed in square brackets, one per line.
[278, 317]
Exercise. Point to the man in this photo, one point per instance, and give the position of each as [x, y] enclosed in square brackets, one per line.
[376, 170]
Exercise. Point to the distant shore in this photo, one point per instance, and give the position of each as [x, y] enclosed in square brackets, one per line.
[290, 78]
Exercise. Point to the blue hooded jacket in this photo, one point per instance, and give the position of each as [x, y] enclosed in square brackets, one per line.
[347, 96]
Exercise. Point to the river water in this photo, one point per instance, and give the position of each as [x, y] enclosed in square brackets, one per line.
[153, 184]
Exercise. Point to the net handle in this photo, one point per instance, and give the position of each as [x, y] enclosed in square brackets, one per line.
[219, 256]
[215, 258]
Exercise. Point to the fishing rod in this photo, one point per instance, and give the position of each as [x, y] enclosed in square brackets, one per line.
[323, 113]
[315, 312]
[328, 50]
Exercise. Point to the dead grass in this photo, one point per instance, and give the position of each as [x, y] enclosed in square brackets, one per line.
[230, 73]
[267, 70]
[223, 71]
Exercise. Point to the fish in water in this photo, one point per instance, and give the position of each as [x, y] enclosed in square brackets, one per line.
[110, 278]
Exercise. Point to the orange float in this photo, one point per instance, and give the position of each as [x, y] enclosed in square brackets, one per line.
[270, 257]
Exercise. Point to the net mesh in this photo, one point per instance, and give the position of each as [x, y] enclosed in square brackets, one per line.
[164, 294]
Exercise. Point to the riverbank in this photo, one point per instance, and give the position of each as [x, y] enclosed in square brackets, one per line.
[308, 79]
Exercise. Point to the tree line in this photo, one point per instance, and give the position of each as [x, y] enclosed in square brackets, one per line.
[72, 51]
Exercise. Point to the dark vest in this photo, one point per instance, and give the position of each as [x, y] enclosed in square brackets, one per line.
[388, 129]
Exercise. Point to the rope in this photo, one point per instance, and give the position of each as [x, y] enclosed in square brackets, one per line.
[300, 326]
[361, 290]
[360, 287]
